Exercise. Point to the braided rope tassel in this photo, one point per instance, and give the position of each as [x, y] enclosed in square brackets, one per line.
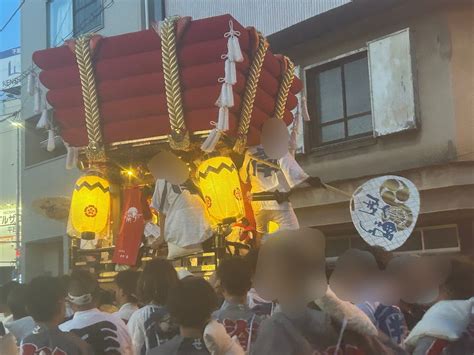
[95, 149]
[179, 137]
[284, 89]
[250, 92]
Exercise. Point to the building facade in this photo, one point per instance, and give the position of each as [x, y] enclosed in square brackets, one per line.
[388, 86]
[10, 104]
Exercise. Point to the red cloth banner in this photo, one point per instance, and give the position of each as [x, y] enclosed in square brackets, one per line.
[131, 230]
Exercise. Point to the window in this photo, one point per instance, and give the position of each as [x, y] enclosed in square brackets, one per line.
[425, 239]
[35, 144]
[345, 102]
[70, 18]
[339, 100]
[156, 10]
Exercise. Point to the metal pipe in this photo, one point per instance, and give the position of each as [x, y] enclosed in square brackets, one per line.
[147, 15]
[18, 204]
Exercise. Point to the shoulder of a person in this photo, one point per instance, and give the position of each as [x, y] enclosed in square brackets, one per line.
[168, 348]
[30, 338]
[67, 325]
[114, 318]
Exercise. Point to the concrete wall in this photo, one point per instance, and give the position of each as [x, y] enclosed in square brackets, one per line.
[435, 141]
[460, 23]
[267, 16]
[50, 178]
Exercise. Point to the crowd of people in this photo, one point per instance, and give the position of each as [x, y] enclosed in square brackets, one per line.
[161, 311]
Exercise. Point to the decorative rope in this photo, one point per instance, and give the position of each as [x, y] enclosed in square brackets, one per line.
[249, 95]
[284, 89]
[179, 137]
[95, 149]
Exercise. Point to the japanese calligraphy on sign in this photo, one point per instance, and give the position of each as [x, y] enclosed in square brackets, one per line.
[7, 222]
[384, 211]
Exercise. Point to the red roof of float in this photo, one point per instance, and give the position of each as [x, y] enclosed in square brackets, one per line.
[130, 84]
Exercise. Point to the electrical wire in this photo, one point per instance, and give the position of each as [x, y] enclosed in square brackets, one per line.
[13, 15]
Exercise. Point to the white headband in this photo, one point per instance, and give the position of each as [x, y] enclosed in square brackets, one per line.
[80, 300]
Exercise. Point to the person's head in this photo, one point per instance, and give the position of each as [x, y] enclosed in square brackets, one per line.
[83, 290]
[234, 275]
[16, 301]
[155, 281]
[459, 284]
[4, 292]
[46, 299]
[252, 259]
[191, 302]
[291, 268]
[382, 256]
[127, 286]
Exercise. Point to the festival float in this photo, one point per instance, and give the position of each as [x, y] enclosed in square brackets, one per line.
[168, 117]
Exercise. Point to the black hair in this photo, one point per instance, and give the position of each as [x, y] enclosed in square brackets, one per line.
[83, 282]
[252, 259]
[235, 276]
[44, 296]
[6, 289]
[127, 281]
[382, 256]
[105, 297]
[155, 281]
[16, 301]
[191, 302]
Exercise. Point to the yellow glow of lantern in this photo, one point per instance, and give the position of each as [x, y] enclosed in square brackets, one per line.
[273, 227]
[90, 205]
[219, 182]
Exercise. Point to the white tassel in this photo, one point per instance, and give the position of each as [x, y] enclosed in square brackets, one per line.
[226, 97]
[295, 130]
[31, 84]
[223, 120]
[210, 143]
[43, 121]
[71, 157]
[51, 145]
[37, 101]
[234, 52]
[230, 72]
[304, 110]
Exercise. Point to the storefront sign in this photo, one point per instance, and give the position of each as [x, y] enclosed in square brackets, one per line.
[7, 222]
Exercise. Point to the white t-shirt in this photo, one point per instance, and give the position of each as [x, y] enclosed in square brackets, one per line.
[186, 215]
[126, 311]
[104, 331]
[150, 327]
[264, 178]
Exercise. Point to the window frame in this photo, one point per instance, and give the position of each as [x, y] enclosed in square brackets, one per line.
[313, 136]
[93, 29]
[74, 32]
[30, 127]
[428, 251]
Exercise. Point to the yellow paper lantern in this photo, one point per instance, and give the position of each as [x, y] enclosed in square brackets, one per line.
[272, 227]
[219, 182]
[90, 206]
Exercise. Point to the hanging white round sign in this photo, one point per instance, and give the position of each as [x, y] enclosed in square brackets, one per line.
[384, 211]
